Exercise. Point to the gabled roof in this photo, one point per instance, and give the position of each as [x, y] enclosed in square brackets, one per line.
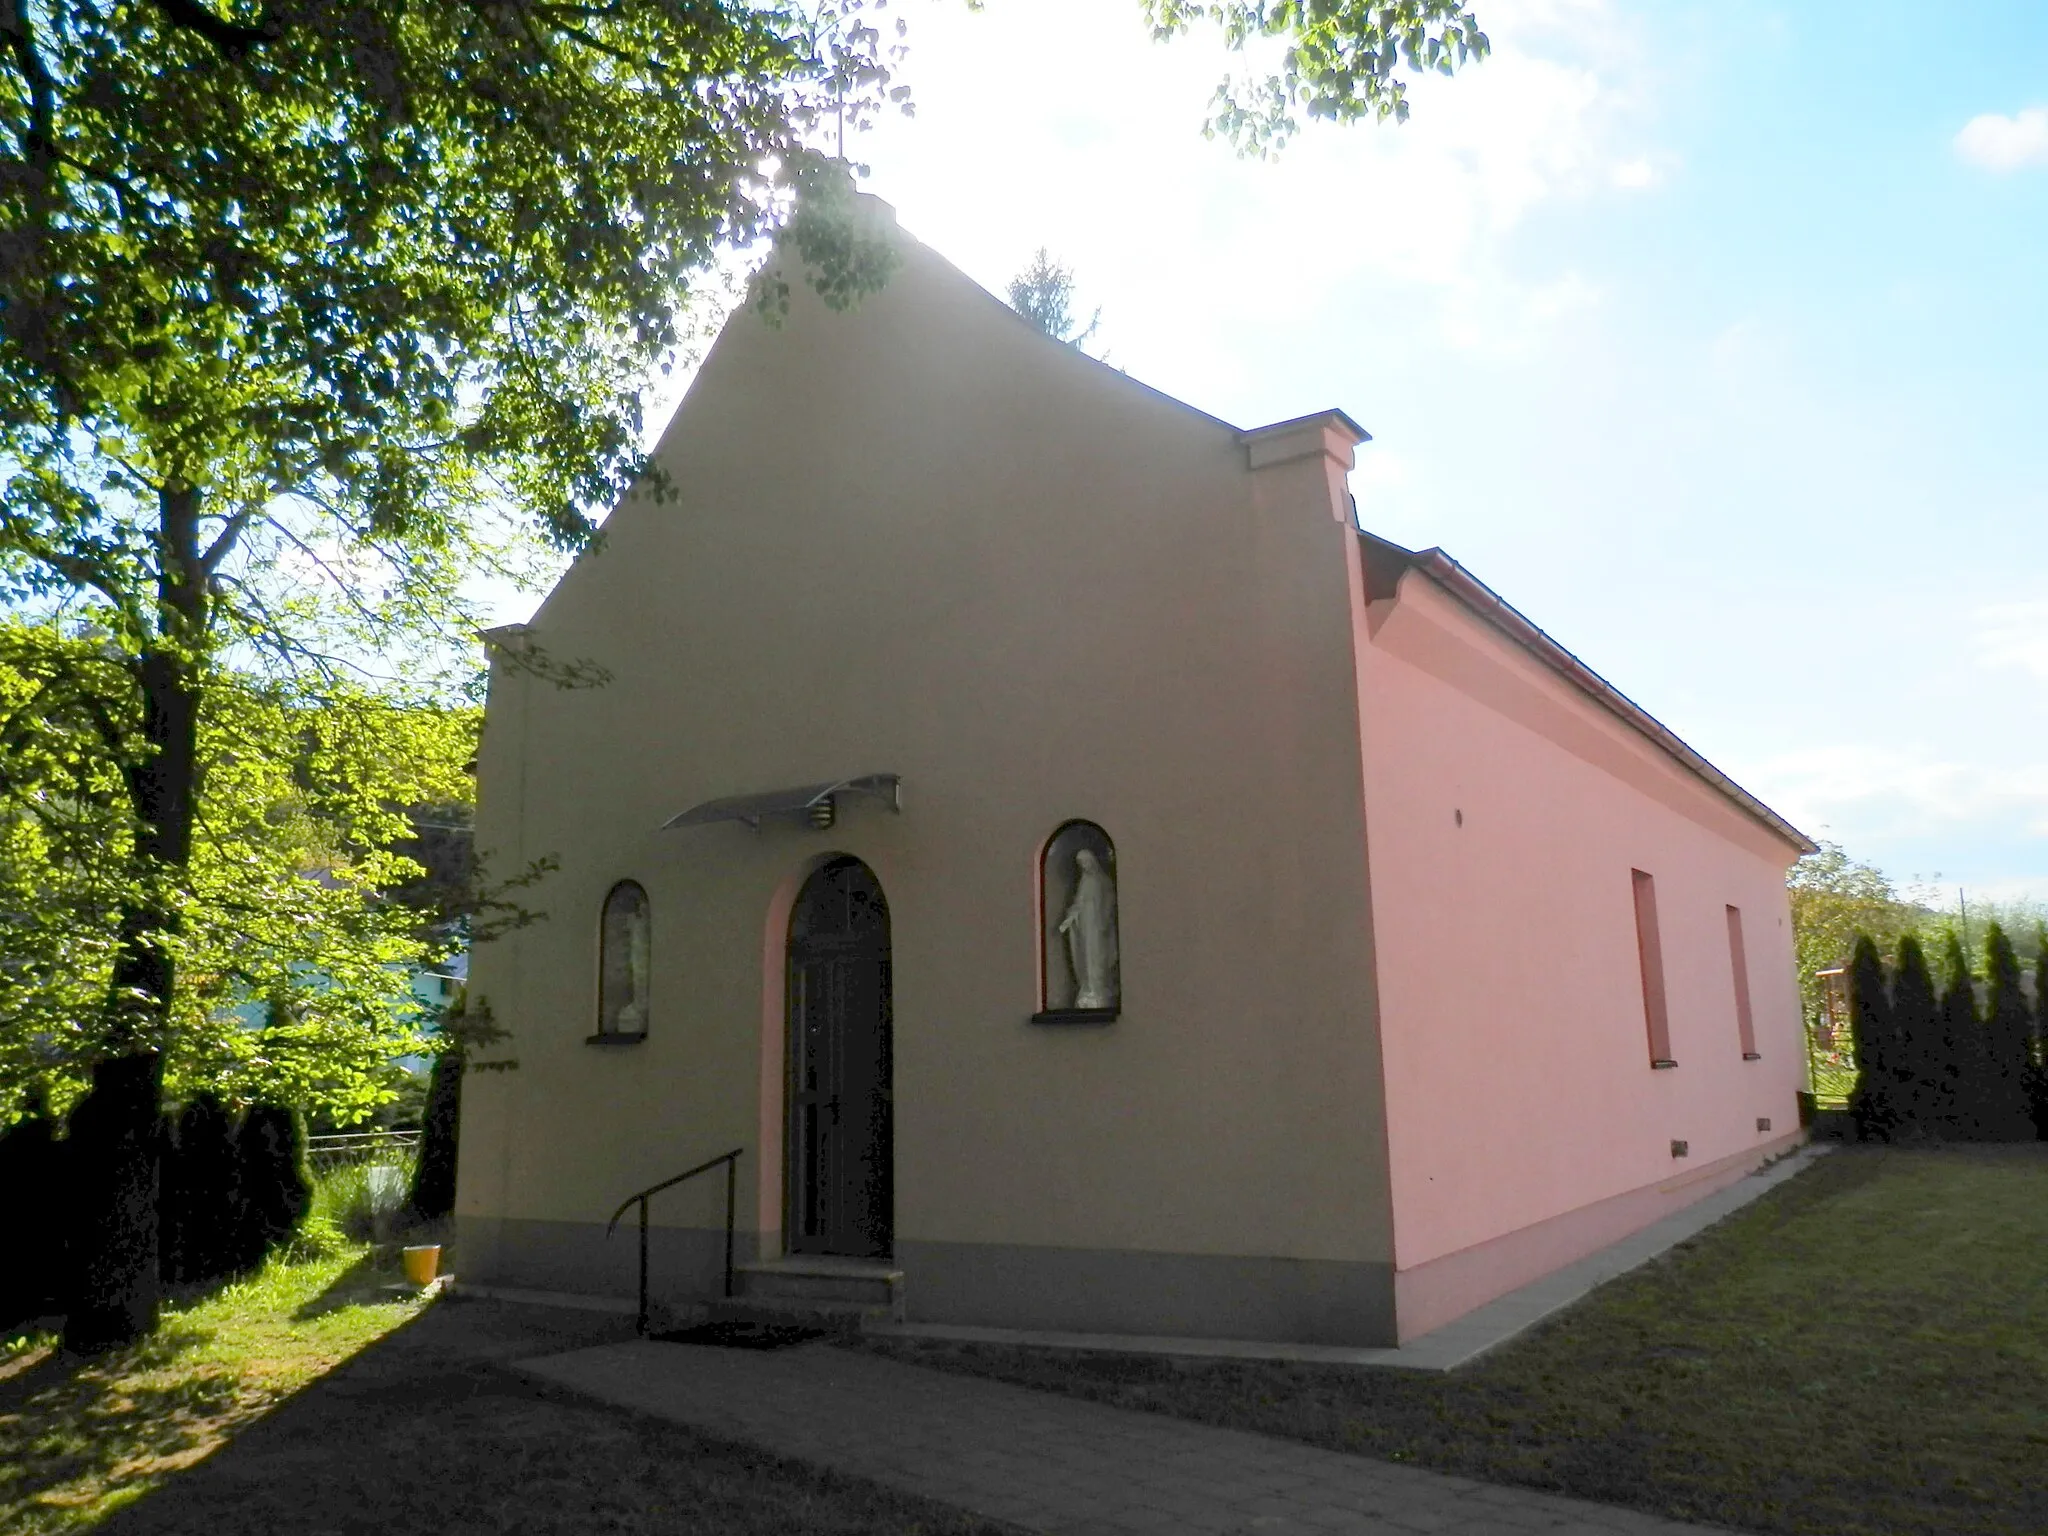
[1387, 562]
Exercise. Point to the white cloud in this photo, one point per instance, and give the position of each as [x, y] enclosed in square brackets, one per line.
[1636, 174]
[2005, 143]
[1887, 792]
[2014, 635]
[1102, 159]
[1494, 312]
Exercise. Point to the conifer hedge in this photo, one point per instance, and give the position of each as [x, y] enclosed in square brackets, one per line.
[1932, 1066]
[2037, 1070]
[1875, 1104]
[200, 1197]
[1963, 1035]
[2008, 1042]
[1925, 1072]
[276, 1183]
[31, 1196]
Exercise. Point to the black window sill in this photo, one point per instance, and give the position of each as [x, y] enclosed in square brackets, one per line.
[1662, 1066]
[616, 1037]
[1752, 1055]
[1077, 1016]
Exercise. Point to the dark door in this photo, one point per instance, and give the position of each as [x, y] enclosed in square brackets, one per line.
[841, 1159]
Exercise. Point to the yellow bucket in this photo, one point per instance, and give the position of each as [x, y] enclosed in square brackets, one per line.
[421, 1263]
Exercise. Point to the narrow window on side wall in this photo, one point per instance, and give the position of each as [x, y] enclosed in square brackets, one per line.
[1738, 959]
[1650, 955]
[1080, 970]
[623, 946]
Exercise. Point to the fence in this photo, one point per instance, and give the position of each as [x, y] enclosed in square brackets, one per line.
[360, 1179]
[358, 1149]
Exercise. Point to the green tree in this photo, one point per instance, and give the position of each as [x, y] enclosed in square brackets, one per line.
[1925, 1086]
[282, 897]
[287, 897]
[311, 310]
[1043, 293]
[2008, 1043]
[1340, 61]
[298, 301]
[1833, 899]
[60, 865]
[1875, 1104]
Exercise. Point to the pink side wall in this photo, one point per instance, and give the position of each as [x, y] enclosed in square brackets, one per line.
[1518, 1077]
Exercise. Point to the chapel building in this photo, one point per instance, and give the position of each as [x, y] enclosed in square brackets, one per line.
[1092, 884]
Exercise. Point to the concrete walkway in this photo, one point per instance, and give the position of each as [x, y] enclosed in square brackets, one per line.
[1049, 1463]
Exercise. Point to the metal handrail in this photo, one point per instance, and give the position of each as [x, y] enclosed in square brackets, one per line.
[732, 1168]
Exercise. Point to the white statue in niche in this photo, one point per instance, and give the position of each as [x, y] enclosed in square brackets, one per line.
[632, 1016]
[1090, 929]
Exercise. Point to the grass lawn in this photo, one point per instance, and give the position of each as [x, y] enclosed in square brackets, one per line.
[312, 1400]
[1863, 1350]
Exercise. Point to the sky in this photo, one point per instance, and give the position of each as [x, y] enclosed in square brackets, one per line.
[1713, 336]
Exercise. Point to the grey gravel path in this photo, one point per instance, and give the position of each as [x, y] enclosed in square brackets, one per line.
[1055, 1464]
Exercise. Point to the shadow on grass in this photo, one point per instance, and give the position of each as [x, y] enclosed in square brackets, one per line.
[367, 1282]
[425, 1430]
[288, 1404]
[68, 1422]
[83, 1436]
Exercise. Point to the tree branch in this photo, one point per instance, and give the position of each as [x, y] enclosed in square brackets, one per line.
[15, 26]
[78, 569]
[224, 543]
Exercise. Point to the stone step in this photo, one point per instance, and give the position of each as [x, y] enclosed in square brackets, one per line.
[822, 1282]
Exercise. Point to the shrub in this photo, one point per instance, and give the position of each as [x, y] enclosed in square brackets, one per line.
[433, 1182]
[358, 1202]
[277, 1187]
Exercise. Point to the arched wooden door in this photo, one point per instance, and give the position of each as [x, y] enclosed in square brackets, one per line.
[841, 1196]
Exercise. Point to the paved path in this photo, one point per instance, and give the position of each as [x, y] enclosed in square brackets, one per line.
[1056, 1464]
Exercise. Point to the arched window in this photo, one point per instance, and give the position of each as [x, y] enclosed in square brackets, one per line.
[1080, 977]
[622, 964]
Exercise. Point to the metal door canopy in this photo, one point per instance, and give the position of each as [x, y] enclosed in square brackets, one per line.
[797, 803]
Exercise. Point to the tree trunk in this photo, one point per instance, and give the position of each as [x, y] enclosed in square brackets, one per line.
[115, 1130]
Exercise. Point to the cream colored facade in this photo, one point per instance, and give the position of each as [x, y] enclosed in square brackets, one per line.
[919, 538]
